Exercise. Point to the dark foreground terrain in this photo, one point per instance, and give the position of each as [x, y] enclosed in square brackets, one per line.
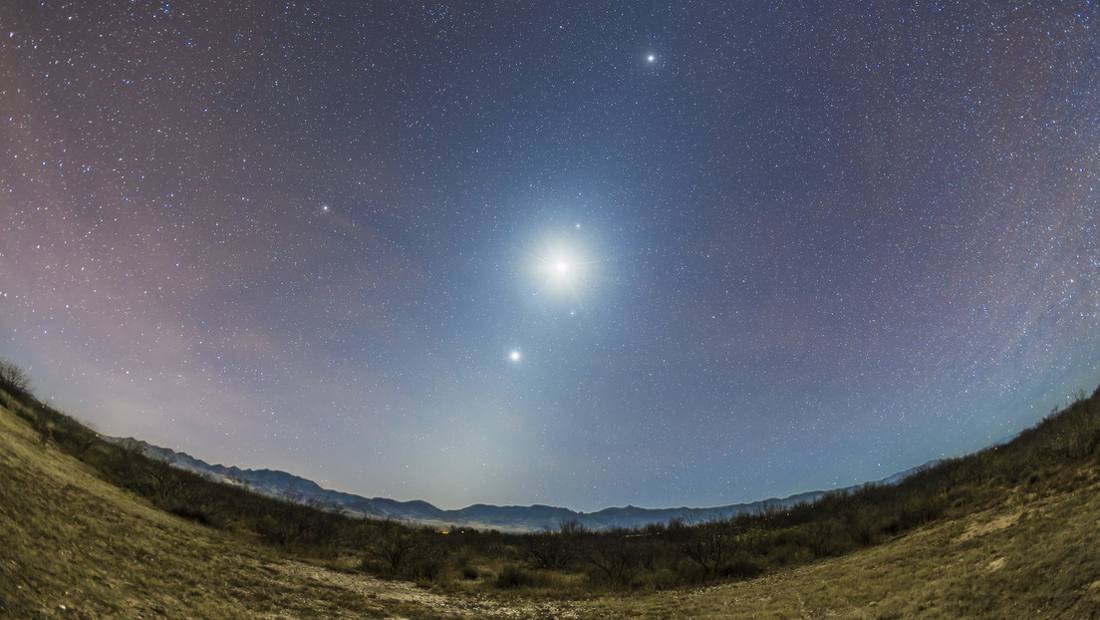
[1015, 532]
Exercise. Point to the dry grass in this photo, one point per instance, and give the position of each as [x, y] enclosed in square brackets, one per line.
[1034, 557]
[74, 546]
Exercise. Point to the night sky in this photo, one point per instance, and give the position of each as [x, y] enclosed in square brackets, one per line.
[581, 254]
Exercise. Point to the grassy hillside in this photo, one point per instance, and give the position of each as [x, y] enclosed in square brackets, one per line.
[1008, 532]
[1034, 555]
[72, 545]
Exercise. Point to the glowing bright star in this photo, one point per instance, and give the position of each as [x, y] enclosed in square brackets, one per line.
[651, 58]
[514, 356]
[561, 268]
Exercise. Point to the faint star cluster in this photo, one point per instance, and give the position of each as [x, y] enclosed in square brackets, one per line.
[821, 242]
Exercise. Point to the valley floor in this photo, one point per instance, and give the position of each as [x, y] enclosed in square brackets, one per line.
[73, 546]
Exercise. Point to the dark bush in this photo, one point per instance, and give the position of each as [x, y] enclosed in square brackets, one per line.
[515, 577]
[192, 514]
[742, 566]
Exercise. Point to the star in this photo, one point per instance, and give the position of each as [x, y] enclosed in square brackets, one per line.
[561, 271]
[708, 259]
[562, 267]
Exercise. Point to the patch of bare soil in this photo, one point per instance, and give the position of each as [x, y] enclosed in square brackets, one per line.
[996, 524]
[406, 593]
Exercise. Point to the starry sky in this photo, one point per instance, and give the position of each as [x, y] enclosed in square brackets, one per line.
[584, 254]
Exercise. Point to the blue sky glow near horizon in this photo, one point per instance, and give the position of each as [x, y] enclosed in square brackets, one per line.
[580, 254]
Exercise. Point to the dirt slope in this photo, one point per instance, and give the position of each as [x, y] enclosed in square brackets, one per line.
[73, 546]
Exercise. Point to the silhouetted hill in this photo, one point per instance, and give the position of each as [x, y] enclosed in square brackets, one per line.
[90, 528]
[286, 486]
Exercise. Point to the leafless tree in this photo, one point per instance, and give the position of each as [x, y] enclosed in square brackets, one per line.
[710, 551]
[550, 549]
[13, 377]
[394, 544]
[615, 559]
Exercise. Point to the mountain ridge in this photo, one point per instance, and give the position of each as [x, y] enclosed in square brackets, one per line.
[534, 517]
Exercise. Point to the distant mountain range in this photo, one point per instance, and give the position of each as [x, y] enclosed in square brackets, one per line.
[288, 487]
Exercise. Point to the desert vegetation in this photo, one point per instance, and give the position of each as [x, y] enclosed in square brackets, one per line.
[574, 562]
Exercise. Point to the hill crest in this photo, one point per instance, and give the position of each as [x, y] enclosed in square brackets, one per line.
[536, 517]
